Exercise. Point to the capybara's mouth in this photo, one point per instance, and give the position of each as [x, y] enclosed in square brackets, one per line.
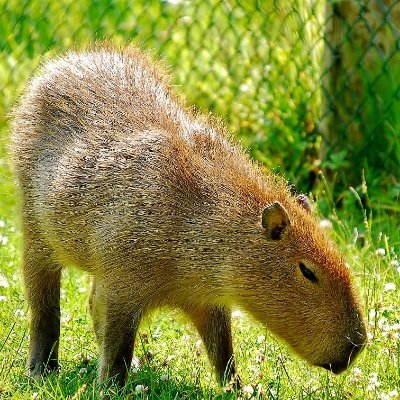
[335, 368]
[339, 367]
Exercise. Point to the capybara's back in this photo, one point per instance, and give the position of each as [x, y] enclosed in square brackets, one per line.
[119, 178]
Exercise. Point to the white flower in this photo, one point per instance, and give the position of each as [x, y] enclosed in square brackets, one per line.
[356, 375]
[135, 365]
[248, 390]
[383, 324]
[2, 224]
[388, 396]
[267, 67]
[83, 371]
[395, 327]
[19, 312]
[259, 388]
[260, 356]
[3, 298]
[395, 263]
[260, 339]
[164, 377]
[380, 252]
[3, 240]
[35, 395]
[174, 2]
[373, 381]
[140, 388]
[3, 281]
[66, 318]
[326, 224]
[237, 314]
[389, 287]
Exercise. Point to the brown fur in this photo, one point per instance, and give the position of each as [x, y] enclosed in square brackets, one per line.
[155, 201]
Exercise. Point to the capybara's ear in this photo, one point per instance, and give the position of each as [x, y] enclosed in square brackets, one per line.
[275, 220]
[304, 201]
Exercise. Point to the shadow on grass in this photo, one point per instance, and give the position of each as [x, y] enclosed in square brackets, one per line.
[80, 382]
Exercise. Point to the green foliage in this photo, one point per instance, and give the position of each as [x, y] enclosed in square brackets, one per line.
[362, 87]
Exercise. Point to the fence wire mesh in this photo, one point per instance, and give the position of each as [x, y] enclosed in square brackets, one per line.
[305, 84]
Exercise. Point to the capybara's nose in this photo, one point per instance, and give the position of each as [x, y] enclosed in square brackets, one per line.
[339, 366]
[336, 368]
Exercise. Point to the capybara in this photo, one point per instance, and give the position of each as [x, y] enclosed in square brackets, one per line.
[160, 206]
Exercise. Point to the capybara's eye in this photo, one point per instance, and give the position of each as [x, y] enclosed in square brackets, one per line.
[307, 273]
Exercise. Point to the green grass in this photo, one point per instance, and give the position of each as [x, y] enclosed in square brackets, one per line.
[263, 79]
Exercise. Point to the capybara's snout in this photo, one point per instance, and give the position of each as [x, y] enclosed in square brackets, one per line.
[352, 347]
[338, 367]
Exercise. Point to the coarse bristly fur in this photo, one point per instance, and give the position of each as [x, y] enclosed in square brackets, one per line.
[157, 203]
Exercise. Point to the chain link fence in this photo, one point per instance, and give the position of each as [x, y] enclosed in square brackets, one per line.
[305, 84]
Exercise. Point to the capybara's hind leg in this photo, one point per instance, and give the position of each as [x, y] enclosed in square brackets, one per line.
[214, 327]
[42, 288]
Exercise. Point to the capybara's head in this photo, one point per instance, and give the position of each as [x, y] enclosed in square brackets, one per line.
[301, 287]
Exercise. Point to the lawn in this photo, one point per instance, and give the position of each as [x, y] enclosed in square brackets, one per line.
[270, 117]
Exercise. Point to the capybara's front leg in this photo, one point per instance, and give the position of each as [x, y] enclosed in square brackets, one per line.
[42, 288]
[120, 324]
[214, 327]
